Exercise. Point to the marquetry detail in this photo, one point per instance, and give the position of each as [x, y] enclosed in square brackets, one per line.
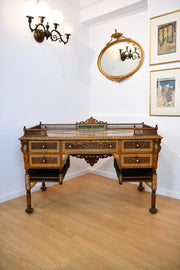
[137, 145]
[44, 146]
[120, 178]
[44, 161]
[148, 183]
[91, 124]
[24, 146]
[157, 146]
[27, 182]
[87, 146]
[92, 159]
[60, 179]
[132, 161]
[154, 181]
[64, 157]
[116, 156]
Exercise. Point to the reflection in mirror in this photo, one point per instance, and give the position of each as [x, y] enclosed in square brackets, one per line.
[120, 58]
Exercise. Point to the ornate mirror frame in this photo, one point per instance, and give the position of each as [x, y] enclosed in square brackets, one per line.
[119, 39]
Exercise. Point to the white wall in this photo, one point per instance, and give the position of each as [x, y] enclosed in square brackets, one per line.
[128, 101]
[96, 10]
[46, 82]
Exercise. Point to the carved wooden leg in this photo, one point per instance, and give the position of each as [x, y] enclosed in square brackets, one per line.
[29, 209]
[43, 188]
[140, 188]
[120, 177]
[60, 179]
[153, 208]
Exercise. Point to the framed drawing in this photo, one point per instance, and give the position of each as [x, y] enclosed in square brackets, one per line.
[165, 38]
[165, 92]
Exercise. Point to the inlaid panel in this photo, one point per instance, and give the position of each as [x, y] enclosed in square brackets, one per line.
[137, 145]
[89, 146]
[44, 161]
[133, 161]
[44, 146]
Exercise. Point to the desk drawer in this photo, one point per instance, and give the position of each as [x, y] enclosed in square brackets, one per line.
[137, 145]
[89, 146]
[134, 161]
[44, 146]
[48, 161]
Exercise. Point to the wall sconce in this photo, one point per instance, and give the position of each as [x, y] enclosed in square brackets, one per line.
[41, 30]
[128, 54]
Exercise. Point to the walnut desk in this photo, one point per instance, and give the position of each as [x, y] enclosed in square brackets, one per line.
[47, 147]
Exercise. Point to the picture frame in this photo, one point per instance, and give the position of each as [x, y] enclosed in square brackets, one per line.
[165, 92]
[165, 38]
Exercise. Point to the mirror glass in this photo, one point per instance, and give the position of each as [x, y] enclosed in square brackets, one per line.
[120, 59]
[111, 61]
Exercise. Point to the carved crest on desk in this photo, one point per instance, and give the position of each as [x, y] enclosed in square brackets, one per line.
[91, 124]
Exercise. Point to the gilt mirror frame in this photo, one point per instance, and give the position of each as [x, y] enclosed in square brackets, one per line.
[120, 39]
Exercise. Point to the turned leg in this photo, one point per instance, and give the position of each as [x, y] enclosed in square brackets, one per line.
[153, 208]
[43, 188]
[29, 209]
[60, 179]
[120, 177]
[140, 188]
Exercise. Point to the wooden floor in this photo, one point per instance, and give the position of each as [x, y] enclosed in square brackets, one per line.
[89, 223]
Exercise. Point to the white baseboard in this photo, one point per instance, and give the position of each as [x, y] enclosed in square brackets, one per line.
[21, 192]
[105, 174]
[76, 174]
[160, 191]
[168, 193]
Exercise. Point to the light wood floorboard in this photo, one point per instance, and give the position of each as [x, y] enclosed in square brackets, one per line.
[90, 223]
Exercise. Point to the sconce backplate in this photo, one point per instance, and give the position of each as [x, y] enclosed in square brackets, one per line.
[38, 35]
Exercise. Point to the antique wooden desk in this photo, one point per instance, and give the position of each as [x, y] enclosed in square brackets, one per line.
[47, 147]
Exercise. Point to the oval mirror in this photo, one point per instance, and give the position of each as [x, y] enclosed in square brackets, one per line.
[120, 58]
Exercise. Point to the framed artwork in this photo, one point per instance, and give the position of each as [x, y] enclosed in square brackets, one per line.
[165, 92]
[165, 38]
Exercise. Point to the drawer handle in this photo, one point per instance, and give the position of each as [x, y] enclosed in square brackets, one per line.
[70, 146]
[110, 145]
[137, 160]
[44, 161]
[43, 146]
[137, 145]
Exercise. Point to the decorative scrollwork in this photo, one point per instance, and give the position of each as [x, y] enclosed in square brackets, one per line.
[91, 120]
[41, 31]
[90, 145]
[92, 159]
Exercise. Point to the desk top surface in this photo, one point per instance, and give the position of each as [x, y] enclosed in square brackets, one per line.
[90, 133]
